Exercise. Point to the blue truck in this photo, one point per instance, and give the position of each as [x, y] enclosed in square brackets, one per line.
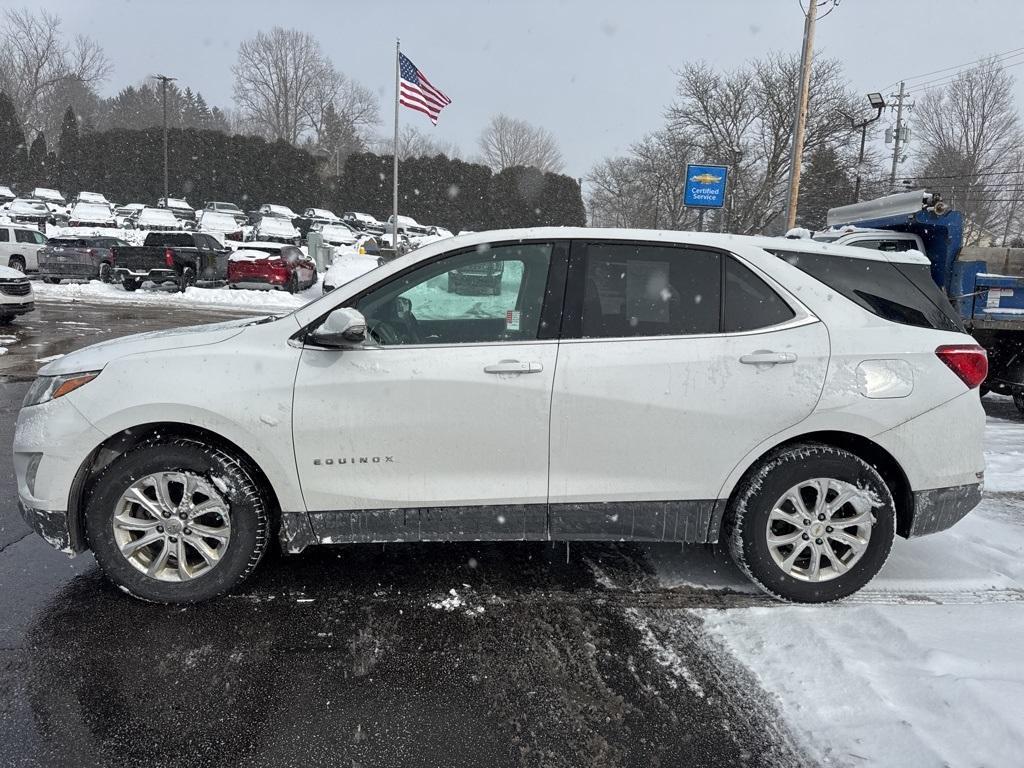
[984, 284]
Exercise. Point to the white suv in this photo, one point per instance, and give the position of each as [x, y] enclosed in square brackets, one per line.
[19, 247]
[804, 402]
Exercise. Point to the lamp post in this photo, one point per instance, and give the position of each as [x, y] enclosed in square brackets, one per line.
[164, 80]
[877, 103]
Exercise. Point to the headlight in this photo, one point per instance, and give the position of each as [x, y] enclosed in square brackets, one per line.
[46, 388]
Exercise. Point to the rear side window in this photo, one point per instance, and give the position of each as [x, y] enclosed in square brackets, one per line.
[5, 236]
[900, 293]
[26, 236]
[172, 239]
[893, 246]
[749, 302]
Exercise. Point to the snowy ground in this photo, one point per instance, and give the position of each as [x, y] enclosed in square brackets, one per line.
[925, 667]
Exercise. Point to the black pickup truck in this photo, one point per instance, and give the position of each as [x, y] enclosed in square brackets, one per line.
[182, 258]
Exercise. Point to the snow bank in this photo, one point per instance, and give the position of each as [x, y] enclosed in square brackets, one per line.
[1004, 455]
[258, 301]
[347, 266]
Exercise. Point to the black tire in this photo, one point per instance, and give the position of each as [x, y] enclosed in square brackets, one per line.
[1018, 399]
[249, 516]
[293, 284]
[130, 283]
[6, 319]
[765, 484]
[17, 262]
[51, 280]
[106, 276]
[187, 279]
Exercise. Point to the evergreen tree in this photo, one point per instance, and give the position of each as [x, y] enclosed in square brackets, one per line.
[12, 143]
[825, 184]
[69, 153]
[37, 175]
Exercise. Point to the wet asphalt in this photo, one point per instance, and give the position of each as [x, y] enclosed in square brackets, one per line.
[401, 655]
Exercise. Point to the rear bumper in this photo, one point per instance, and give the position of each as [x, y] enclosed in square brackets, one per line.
[145, 274]
[941, 508]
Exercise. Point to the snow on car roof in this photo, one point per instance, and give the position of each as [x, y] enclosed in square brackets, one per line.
[249, 254]
[174, 202]
[279, 210]
[323, 212]
[217, 220]
[91, 210]
[157, 215]
[91, 197]
[274, 226]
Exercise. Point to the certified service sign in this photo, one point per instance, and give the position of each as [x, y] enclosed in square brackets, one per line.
[705, 186]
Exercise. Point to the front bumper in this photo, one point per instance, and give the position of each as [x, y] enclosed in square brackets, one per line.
[941, 508]
[17, 309]
[54, 527]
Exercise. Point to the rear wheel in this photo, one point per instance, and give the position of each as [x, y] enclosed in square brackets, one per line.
[105, 273]
[187, 279]
[17, 262]
[293, 283]
[130, 283]
[177, 521]
[811, 524]
[1018, 399]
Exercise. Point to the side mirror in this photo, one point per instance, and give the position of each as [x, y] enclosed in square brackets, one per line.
[344, 327]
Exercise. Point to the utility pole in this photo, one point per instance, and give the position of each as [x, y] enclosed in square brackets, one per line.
[164, 80]
[897, 134]
[801, 112]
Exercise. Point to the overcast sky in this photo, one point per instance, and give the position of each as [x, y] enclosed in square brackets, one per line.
[598, 73]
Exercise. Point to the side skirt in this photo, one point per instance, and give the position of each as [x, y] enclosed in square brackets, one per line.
[695, 522]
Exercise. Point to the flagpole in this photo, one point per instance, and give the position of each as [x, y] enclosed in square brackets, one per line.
[394, 229]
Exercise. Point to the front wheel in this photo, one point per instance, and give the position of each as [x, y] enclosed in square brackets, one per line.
[811, 524]
[187, 279]
[17, 262]
[105, 274]
[177, 521]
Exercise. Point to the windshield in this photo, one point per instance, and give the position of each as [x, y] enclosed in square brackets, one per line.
[222, 222]
[28, 206]
[155, 216]
[90, 211]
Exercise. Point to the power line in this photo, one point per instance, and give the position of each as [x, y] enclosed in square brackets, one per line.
[909, 80]
[940, 82]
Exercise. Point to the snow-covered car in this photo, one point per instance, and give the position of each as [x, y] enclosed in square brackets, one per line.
[78, 258]
[93, 197]
[51, 197]
[229, 208]
[19, 247]
[439, 232]
[182, 211]
[363, 222]
[125, 215]
[16, 295]
[30, 211]
[483, 278]
[271, 265]
[6, 194]
[406, 225]
[344, 269]
[220, 224]
[157, 219]
[277, 211]
[321, 216]
[91, 215]
[337, 234]
[276, 230]
[708, 388]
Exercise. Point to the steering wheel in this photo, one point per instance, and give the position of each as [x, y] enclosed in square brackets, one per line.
[384, 333]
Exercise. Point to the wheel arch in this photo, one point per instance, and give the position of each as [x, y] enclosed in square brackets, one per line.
[878, 457]
[115, 445]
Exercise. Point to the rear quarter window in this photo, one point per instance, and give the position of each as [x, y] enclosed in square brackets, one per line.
[900, 293]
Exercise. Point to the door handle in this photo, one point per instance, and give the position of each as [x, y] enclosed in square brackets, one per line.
[767, 357]
[513, 366]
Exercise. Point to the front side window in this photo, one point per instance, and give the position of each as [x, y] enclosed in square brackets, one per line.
[491, 294]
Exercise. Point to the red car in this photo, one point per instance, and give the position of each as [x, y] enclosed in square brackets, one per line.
[271, 265]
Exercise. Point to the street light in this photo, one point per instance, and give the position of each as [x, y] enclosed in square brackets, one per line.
[164, 80]
[877, 103]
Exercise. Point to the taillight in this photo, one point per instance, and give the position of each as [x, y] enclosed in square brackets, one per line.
[968, 361]
[169, 257]
[91, 251]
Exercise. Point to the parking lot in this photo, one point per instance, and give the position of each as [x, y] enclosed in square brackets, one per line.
[469, 654]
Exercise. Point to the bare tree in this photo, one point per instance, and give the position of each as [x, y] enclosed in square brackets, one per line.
[743, 119]
[508, 142]
[284, 84]
[37, 62]
[413, 142]
[969, 132]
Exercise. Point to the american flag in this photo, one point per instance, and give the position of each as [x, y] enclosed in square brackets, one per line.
[417, 93]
